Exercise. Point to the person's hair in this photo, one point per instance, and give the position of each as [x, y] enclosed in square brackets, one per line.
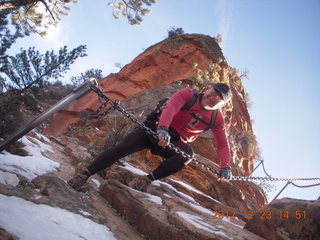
[223, 91]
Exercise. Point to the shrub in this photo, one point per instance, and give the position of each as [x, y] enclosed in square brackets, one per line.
[215, 73]
[12, 111]
[174, 31]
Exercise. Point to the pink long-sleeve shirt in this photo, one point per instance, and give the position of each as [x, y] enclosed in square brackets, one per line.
[190, 128]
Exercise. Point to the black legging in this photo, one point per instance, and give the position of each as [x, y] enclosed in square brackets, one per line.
[139, 140]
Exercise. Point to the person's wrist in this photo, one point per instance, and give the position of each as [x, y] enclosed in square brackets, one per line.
[163, 128]
[164, 133]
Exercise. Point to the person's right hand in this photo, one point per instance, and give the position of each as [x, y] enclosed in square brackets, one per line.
[225, 174]
[163, 137]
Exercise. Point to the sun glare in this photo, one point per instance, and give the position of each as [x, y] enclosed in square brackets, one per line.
[53, 35]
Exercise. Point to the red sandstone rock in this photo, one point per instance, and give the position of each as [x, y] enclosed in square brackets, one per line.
[287, 219]
[160, 213]
[166, 62]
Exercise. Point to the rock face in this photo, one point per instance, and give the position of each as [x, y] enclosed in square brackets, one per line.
[186, 205]
[287, 219]
[167, 62]
[167, 208]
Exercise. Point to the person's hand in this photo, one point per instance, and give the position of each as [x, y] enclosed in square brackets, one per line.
[163, 137]
[224, 174]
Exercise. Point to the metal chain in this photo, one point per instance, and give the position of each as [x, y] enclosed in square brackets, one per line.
[115, 104]
[101, 110]
[274, 179]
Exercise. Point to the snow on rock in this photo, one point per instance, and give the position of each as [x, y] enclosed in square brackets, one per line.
[165, 209]
[9, 178]
[133, 169]
[199, 223]
[201, 209]
[84, 213]
[2, 179]
[30, 221]
[178, 193]
[29, 166]
[96, 183]
[194, 189]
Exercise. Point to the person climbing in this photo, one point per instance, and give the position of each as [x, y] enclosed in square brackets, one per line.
[176, 124]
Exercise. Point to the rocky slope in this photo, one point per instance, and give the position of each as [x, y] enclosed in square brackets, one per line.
[191, 204]
[38, 205]
[171, 209]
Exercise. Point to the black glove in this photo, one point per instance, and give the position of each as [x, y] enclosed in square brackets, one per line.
[164, 133]
[225, 173]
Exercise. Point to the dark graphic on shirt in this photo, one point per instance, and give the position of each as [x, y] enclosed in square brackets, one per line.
[196, 117]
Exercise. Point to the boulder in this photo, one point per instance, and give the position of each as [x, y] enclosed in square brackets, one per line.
[166, 209]
[287, 218]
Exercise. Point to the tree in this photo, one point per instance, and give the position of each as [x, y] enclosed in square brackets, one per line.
[30, 68]
[6, 37]
[215, 73]
[134, 10]
[173, 31]
[27, 14]
[92, 73]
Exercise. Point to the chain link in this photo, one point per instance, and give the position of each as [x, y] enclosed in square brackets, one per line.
[115, 105]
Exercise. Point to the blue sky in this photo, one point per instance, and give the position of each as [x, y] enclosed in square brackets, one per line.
[276, 41]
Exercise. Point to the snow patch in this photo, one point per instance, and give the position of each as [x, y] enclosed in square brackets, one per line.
[9, 178]
[228, 220]
[181, 194]
[155, 199]
[201, 209]
[133, 169]
[35, 146]
[201, 224]
[29, 166]
[84, 213]
[2, 179]
[96, 182]
[40, 136]
[30, 221]
[194, 189]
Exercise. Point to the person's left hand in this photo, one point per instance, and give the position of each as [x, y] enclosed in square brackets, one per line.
[224, 174]
[163, 137]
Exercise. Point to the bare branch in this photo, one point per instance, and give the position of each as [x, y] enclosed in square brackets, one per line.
[48, 9]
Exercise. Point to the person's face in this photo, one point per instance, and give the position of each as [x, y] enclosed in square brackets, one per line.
[211, 100]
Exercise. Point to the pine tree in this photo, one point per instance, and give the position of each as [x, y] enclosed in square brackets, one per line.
[133, 10]
[30, 68]
[92, 73]
[26, 14]
[7, 38]
[173, 31]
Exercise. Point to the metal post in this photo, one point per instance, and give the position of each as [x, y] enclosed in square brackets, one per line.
[281, 191]
[77, 93]
[261, 161]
